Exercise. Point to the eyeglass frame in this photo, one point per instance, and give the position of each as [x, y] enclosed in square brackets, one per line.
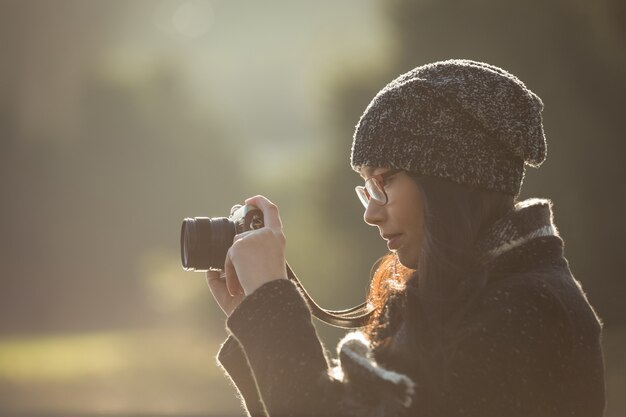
[379, 180]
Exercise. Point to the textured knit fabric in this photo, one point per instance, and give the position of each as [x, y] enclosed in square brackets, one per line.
[531, 219]
[466, 121]
[529, 346]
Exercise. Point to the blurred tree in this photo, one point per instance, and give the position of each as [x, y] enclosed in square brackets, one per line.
[92, 184]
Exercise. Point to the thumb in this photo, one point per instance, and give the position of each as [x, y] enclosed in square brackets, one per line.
[216, 284]
[232, 280]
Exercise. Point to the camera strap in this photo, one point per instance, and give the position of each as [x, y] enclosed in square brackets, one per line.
[352, 318]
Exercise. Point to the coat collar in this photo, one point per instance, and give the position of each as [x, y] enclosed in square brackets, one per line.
[523, 237]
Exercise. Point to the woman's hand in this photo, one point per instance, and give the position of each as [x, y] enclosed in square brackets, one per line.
[227, 292]
[255, 258]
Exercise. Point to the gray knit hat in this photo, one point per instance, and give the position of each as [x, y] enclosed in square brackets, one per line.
[466, 121]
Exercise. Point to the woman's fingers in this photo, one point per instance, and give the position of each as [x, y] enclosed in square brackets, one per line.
[232, 281]
[254, 258]
[257, 257]
[271, 217]
[211, 276]
[217, 285]
[221, 292]
[233, 286]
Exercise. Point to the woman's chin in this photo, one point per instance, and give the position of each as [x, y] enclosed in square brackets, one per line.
[406, 260]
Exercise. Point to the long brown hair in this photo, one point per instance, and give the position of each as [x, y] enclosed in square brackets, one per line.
[448, 272]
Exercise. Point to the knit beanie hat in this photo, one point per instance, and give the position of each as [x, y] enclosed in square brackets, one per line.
[470, 122]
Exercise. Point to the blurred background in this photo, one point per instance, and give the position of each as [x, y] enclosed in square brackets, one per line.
[120, 118]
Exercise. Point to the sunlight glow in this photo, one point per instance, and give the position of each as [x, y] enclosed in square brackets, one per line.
[62, 358]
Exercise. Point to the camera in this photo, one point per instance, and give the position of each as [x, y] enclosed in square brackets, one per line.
[205, 241]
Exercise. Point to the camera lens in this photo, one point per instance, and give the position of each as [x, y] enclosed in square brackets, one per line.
[204, 242]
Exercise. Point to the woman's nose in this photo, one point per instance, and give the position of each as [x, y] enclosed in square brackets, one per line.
[374, 213]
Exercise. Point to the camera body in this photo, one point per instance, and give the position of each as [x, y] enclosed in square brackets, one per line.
[205, 241]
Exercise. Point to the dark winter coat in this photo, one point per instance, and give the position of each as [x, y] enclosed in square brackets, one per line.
[529, 347]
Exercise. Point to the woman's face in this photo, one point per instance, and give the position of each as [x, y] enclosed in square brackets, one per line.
[400, 221]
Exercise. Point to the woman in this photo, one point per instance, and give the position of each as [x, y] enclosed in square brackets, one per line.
[477, 312]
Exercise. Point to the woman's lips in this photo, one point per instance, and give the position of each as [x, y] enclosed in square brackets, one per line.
[393, 241]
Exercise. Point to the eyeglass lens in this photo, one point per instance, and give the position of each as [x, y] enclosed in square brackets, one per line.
[372, 190]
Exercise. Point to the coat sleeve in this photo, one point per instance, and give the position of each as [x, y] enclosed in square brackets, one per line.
[286, 358]
[280, 368]
[233, 361]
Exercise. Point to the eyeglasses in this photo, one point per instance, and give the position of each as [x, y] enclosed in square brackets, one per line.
[374, 188]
